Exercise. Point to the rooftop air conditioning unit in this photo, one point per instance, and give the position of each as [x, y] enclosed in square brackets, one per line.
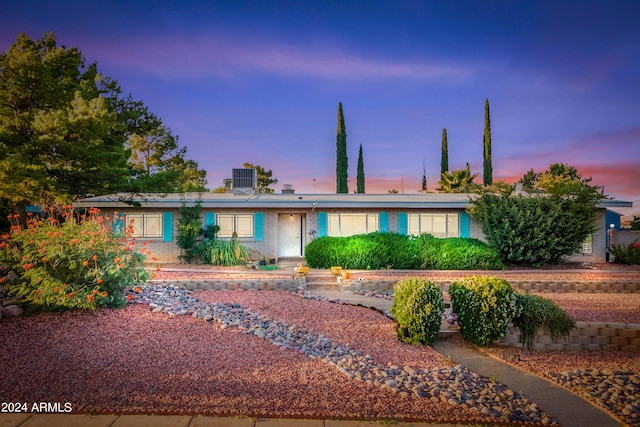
[288, 189]
[244, 181]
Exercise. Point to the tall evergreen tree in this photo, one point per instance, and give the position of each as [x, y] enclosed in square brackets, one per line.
[488, 168]
[342, 162]
[423, 187]
[444, 162]
[360, 177]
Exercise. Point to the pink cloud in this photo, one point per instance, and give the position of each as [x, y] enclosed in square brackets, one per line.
[223, 57]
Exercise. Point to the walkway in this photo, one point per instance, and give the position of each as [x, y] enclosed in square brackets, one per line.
[567, 408]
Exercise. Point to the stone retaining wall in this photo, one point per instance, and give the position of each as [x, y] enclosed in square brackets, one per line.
[621, 286]
[592, 336]
[263, 284]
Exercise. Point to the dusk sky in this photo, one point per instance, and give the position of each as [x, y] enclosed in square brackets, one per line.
[260, 82]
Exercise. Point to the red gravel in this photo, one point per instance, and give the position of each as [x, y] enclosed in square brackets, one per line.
[132, 361]
[598, 307]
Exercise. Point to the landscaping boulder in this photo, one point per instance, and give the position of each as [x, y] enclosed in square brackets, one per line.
[12, 311]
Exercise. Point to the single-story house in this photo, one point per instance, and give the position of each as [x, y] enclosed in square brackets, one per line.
[281, 225]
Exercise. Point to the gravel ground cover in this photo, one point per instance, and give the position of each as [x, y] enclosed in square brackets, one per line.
[135, 361]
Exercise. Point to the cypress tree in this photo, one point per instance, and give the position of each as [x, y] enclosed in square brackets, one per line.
[360, 177]
[423, 188]
[444, 162]
[488, 168]
[342, 162]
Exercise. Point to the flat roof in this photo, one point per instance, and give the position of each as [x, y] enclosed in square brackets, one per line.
[315, 201]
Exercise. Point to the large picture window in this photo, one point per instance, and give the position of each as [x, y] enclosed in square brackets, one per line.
[437, 224]
[144, 225]
[240, 224]
[347, 224]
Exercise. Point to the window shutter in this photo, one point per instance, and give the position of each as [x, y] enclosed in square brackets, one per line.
[383, 224]
[167, 226]
[322, 224]
[258, 226]
[402, 223]
[209, 219]
[464, 225]
[118, 223]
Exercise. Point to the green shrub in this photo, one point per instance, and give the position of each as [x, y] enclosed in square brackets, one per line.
[376, 251]
[539, 229]
[629, 254]
[418, 306]
[189, 229]
[456, 253]
[485, 307]
[74, 264]
[536, 311]
[223, 252]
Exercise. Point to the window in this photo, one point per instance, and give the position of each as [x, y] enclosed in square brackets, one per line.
[343, 224]
[587, 245]
[438, 225]
[144, 225]
[241, 224]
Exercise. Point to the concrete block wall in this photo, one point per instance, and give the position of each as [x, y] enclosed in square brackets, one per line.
[592, 336]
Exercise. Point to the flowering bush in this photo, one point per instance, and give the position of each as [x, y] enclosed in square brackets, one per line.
[76, 263]
[626, 254]
[485, 307]
[418, 306]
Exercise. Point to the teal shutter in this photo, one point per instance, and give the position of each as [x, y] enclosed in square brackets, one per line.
[118, 224]
[167, 226]
[383, 224]
[209, 219]
[322, 224]
[258, 226]
[463, 220]
[403, 227]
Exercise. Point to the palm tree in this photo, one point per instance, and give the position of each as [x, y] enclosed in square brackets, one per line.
[458, 181]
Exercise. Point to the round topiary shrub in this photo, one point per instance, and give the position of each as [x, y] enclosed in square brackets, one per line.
[418, 306]
[485, 307]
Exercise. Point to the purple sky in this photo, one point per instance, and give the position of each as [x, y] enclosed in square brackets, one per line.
[260, 81]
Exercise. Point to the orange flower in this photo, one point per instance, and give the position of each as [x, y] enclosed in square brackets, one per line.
[95, 291]
[70, 295]
[137, 289]
[85, 263]
[90, 298]
[157, 268]
[129, 298]
[116, 260]
[154, 258]
[104, 294]
[45, 259]
[93, 258]
[27, 266]
[100, 281]
[38, 291]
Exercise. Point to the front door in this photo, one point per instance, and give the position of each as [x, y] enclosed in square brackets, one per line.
[290, 235]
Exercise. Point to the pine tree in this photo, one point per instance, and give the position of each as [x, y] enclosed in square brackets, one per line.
[444, 162]
[342, 162]
[360, 177]
[488, 168]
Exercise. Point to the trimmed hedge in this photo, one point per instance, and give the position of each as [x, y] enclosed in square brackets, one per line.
[375, 251]
[485, 307]
[418, 306]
